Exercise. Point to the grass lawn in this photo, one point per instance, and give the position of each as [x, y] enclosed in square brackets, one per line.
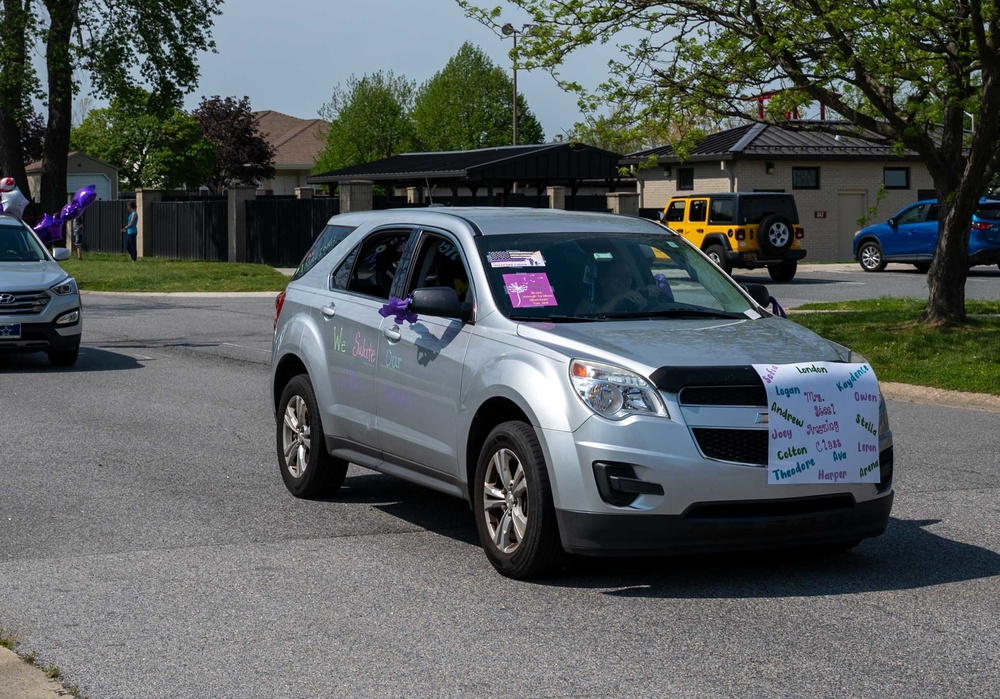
[902, 350]
[106, 272]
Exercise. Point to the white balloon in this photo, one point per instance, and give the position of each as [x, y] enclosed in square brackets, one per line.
[13, 202]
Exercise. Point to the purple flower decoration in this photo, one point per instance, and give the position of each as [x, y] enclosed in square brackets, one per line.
[400, 309]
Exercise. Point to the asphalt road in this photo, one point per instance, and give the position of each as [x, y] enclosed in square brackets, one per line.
[149, 549]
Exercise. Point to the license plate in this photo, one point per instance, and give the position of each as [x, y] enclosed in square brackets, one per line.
[10, 331]
[749, 256]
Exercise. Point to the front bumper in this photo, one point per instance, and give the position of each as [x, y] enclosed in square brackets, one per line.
[727, 526]
[43, 336]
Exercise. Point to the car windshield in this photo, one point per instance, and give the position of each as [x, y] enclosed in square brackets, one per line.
[581, 277]
[19, 244]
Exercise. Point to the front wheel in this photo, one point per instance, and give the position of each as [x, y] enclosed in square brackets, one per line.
[64, 357]
[513, 506]
[783, 272]
[717, 254]
[306, 468]
[870, 257]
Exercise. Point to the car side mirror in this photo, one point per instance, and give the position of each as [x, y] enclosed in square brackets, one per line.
[60, 254]
[439, 301]
[759, 293]
[662, 216]
[891, 222]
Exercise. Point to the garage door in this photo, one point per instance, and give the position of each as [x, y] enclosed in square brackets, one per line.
[100, 181]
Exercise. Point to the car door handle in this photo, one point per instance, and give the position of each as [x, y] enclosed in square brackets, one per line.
[329, 311]
[392, 333]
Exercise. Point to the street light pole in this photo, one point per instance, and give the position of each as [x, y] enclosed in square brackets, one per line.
[508, 30]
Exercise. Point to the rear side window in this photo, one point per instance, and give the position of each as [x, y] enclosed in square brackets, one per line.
[989, 211]
[327, 240]
[754, 209]
[721, 211]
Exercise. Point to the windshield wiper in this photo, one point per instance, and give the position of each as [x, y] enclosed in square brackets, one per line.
[678, 313]
[552, 319]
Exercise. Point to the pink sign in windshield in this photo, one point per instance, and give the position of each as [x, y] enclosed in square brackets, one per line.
[530, 290]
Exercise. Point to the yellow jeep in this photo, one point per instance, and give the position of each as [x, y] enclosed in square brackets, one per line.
[741, 229]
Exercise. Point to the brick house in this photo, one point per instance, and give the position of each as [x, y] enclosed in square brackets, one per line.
[835, 179]
[297, 144]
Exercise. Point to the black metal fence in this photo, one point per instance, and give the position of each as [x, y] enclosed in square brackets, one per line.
[102, 223]
[190, 230]
[280, 231]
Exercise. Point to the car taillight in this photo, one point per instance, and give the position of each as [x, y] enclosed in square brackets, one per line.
[981, 226]
[741, 234]
[799, 233]
[279, 301]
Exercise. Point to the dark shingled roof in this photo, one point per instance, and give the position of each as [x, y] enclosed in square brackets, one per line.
[551, 162]
[793, 141]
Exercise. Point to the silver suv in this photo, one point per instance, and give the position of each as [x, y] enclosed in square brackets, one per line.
[40, 308]
[590, 383]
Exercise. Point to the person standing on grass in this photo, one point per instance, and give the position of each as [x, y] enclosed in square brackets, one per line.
[78, 237]
[131, 230]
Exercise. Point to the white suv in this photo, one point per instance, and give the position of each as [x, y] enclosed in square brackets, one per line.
[40, 308]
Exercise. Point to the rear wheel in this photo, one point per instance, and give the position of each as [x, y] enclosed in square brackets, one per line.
[783, 272]
[512, 501]
[775, 235]
[870, 257]
[306, 468]
[717, 254]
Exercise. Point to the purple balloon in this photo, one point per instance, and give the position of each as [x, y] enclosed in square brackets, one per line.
[85, 195]
[70, 211]
[49, 229]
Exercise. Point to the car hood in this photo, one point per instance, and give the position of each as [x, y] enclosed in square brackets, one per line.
[30, 276]
[648, 345]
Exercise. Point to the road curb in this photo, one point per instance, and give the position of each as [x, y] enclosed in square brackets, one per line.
[22, 680]
[909, 393]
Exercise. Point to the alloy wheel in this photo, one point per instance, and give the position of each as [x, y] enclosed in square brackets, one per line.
[295, 436]
[505, 501]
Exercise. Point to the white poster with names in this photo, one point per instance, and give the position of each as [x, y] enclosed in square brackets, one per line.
[822, 423]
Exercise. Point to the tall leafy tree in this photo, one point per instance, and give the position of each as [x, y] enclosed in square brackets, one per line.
[369, 120]
[151, 145]
[905, 71]
[32, 137]
[116, 43]
[243, 156]
[468, 105]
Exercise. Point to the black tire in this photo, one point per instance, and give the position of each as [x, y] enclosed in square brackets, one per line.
[922, 267]
[64, 357]
[838, 546]
[306, 468]
[870, 256]
[718, 255]
[518, 530]
[775, 233]
[784, 272]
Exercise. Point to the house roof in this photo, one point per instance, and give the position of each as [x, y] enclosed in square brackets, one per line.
[297, 142]
[550, 162]
[36, 166]
[794, 140]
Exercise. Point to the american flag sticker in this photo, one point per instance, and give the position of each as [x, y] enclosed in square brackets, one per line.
[515, 258]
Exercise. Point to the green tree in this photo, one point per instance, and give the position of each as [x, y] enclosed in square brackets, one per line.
[467, 105]
[116, 43]
[369, 120]
[151, 146]
[243, 156]
[905, 71]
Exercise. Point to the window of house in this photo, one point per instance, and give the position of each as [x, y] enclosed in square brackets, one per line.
[805, 178]
[685, 178]
[896, 177]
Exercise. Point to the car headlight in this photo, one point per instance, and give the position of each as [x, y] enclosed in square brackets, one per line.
[66, 287]
[614, 392]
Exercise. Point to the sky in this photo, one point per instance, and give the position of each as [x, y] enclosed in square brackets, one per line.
[288, 56]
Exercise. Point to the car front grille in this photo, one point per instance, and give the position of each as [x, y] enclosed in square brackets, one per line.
[739, 446]
[23, 303]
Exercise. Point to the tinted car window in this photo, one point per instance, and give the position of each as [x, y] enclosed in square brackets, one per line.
[376, 262]
[676, 211]
[989, 211]
[18, 244]
[439, 263]
[754, 209]
[722, 211]
[327, 240]
[914, 214]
